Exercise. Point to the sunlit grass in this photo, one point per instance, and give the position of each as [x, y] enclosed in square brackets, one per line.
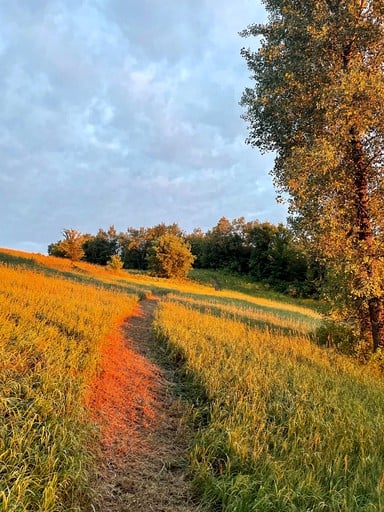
[235, 288]
[51, 334]
[244, 284]
[87, 273]
[282, 424]
[267, 315]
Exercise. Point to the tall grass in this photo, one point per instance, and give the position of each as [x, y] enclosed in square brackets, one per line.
[87, 273]
[51, 333]
[270, 315]
[237, 288]
[283, 425]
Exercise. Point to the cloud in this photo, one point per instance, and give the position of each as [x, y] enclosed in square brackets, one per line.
[125, 113]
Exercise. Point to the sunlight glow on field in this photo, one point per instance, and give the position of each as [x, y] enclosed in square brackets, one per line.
[51, 334]
[280, 423]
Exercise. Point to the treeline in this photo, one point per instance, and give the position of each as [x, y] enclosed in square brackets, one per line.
[264, 251]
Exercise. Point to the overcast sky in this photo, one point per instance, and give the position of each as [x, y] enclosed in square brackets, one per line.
[125, 112]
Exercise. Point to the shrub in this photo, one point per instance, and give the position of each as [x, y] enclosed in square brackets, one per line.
[170, 256]
[339, 335]
[115, 263]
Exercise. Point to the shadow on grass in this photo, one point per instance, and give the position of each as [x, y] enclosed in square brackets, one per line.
[77, 275]
[271, 326]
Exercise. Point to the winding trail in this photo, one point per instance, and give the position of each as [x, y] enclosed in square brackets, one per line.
[144, 440]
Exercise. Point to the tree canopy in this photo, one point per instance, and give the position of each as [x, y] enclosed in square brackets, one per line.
[170, 256]
[99, 249]
[70, 247]
[318, 102]
[268, 253]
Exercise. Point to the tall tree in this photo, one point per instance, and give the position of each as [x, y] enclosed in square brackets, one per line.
[100, 248]
[136, 243]
[72, 244]
[197, 241]
[224, 246]
[318, 102]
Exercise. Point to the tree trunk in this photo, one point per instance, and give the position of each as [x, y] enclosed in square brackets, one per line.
[376, 316]
[365, 234]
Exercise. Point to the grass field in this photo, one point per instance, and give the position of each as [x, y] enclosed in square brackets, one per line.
[51, 333]
[280, 423]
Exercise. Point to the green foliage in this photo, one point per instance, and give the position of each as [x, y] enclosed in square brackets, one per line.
[197, 241]
[134, 247]
[277, 259]
[170, 256]
[224, 247]
[135, 244]
[100, 248]
[115, 263]
[317, 102]
[337, 334]
[268, 253]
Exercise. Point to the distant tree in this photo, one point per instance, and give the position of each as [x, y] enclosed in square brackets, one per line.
[197, 241]
[55, 249]
[136, 243]
[170, 256]
[100, 248]
[277, 259]
[72, 244]
[70, 247]
[261, 240]
[318, 102]
[159, 230]
[224, 247]
[286, 262]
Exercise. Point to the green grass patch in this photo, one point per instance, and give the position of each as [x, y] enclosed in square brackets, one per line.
[291, 426]
[244, 284]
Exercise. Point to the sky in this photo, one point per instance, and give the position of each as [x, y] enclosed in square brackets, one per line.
[125, 112]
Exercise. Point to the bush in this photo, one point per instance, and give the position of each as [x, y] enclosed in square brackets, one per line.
[170, 256]
[339, 335]
[115, 263]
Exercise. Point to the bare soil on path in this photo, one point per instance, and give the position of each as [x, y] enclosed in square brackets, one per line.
[144, 439]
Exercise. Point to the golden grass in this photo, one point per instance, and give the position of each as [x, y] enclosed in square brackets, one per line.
[51, 335]
[282, 424]
[149, 283]
[267, 315]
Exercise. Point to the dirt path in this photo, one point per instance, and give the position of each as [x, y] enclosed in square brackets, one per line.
[144, 441]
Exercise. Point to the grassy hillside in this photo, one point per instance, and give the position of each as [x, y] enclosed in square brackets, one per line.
[242, 283]
[281, 424]
[51, 333]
